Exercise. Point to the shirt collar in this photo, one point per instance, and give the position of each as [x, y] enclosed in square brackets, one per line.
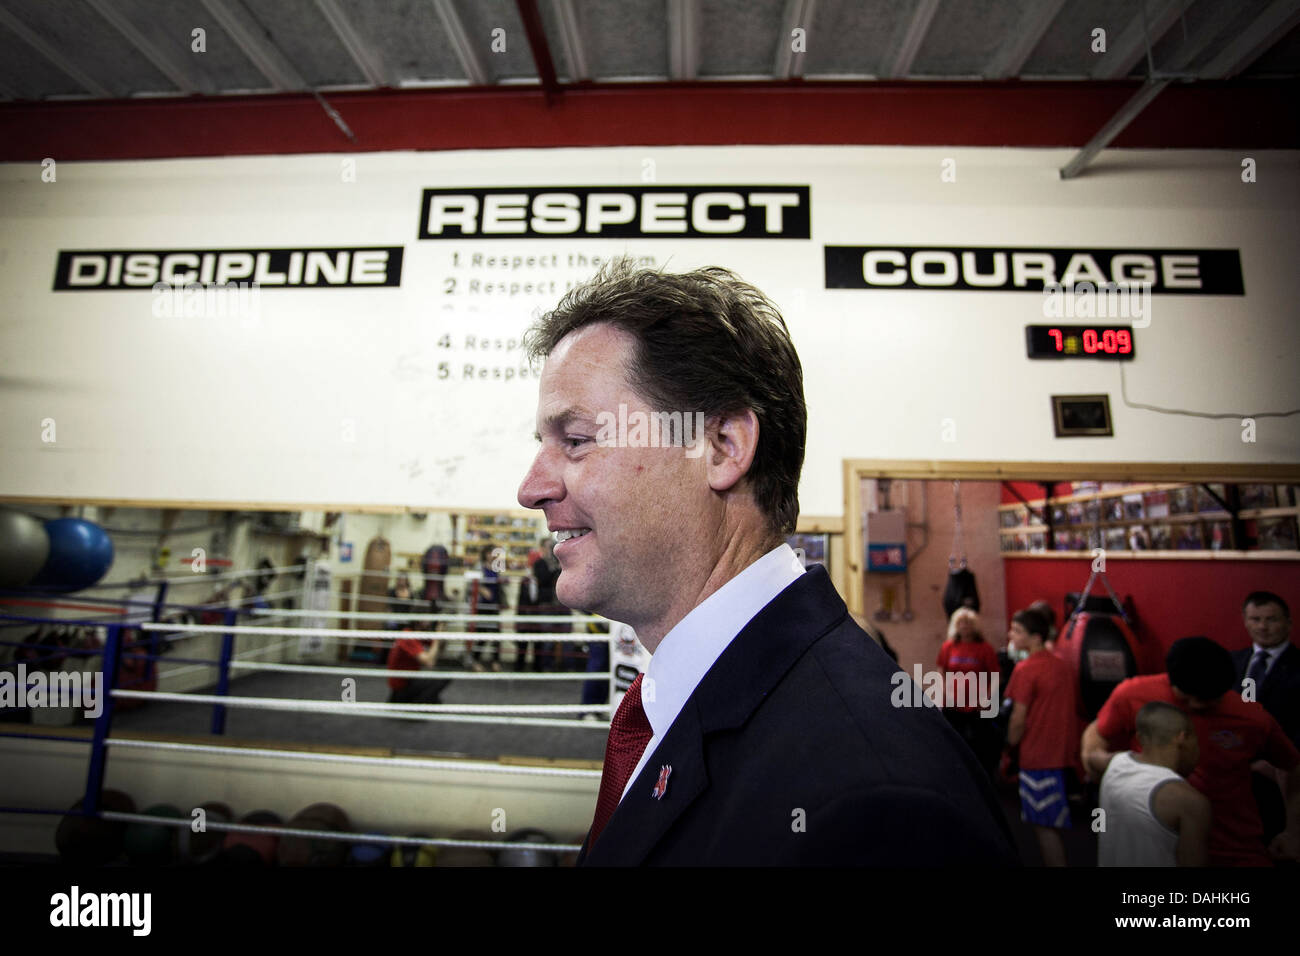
[1272, 652]
[687, 652]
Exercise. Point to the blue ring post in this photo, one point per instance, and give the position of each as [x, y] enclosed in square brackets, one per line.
[98, 750]
[154, 636]
[223, 674]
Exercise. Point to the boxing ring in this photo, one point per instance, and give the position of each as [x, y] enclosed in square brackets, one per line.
[178, 768]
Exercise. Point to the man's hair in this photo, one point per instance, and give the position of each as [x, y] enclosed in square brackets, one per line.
[1159, 723]
[1032, 621]
[1260, 598]
[708, 342]
[1200, 667]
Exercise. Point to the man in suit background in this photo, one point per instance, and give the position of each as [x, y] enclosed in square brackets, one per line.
[1272, 666]
[766, 730]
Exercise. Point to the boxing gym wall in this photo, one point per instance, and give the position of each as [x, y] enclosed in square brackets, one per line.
[376, 361]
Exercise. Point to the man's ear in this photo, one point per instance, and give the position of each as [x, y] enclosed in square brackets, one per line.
[731, 442]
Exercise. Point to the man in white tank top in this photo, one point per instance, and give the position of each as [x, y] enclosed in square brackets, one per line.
[1152, 816]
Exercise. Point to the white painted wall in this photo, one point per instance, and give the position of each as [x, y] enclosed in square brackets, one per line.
[221, 410]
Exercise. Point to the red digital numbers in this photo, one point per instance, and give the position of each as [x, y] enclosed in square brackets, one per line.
[1111, 341]
[1056, 334]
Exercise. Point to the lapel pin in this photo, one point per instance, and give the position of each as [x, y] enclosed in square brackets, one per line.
[661, 786]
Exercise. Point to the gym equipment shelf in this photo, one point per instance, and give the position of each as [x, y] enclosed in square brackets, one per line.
[1229, 522]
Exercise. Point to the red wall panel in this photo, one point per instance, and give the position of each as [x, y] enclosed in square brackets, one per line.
[1174, 598]
[1254, 115]
[1032, 491]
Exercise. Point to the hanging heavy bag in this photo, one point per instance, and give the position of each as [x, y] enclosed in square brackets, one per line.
[960, 590]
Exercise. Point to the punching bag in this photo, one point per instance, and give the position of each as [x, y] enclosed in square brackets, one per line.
[960, 591]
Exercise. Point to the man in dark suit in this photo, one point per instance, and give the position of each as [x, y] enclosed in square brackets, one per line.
[1269, 672]
[768, 727]
[1272, 662]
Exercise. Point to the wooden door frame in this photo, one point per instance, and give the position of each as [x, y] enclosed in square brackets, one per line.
[855, 469]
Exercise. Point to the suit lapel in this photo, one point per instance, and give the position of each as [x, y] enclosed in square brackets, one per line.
[746, 672]
[1287, 661]
[641, 819]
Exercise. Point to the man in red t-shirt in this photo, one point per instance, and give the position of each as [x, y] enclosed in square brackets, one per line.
[1044, 722]
[411, 654]
[1232, 734]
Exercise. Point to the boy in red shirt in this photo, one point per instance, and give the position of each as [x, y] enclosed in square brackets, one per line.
[411, 654]
[1044, 723]
[1232, 734]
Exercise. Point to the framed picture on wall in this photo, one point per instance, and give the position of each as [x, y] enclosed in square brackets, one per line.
[1218, 535]
[1277, 534]
[1206, 500]
[1080, 416]
[1157, 504]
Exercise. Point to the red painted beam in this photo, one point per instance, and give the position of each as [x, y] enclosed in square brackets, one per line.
[1247, 115]
[541, 50]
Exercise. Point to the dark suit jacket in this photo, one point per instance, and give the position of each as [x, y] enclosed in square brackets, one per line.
[1280, 692]
[789, 752]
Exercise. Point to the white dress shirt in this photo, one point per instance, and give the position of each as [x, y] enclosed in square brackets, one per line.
[687, 652]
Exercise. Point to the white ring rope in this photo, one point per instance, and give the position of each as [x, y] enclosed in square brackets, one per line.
[430, 763]
[447, 713]
[399, 615]
[175, 670]
[254, 630]
[417, 675]
[196, 577]
[290, 703]
[453, 576]
[345, 837]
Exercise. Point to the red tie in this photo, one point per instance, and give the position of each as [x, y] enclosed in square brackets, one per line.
[629, 732]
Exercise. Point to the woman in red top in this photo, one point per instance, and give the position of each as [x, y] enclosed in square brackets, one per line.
[967, 652]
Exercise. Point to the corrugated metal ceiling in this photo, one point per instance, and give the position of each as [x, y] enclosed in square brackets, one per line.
[60, 49]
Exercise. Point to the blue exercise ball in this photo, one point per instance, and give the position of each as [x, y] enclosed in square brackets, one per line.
[81, 553]
[24, 548]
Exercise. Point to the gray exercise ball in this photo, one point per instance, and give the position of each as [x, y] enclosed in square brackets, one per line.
[24, 548]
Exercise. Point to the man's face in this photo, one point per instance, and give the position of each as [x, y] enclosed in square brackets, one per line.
[1189, 752]
[1266, 624]
[645, 510]
[1018, 637]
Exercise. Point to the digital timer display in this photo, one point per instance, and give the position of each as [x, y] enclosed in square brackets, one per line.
[1113, 342]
